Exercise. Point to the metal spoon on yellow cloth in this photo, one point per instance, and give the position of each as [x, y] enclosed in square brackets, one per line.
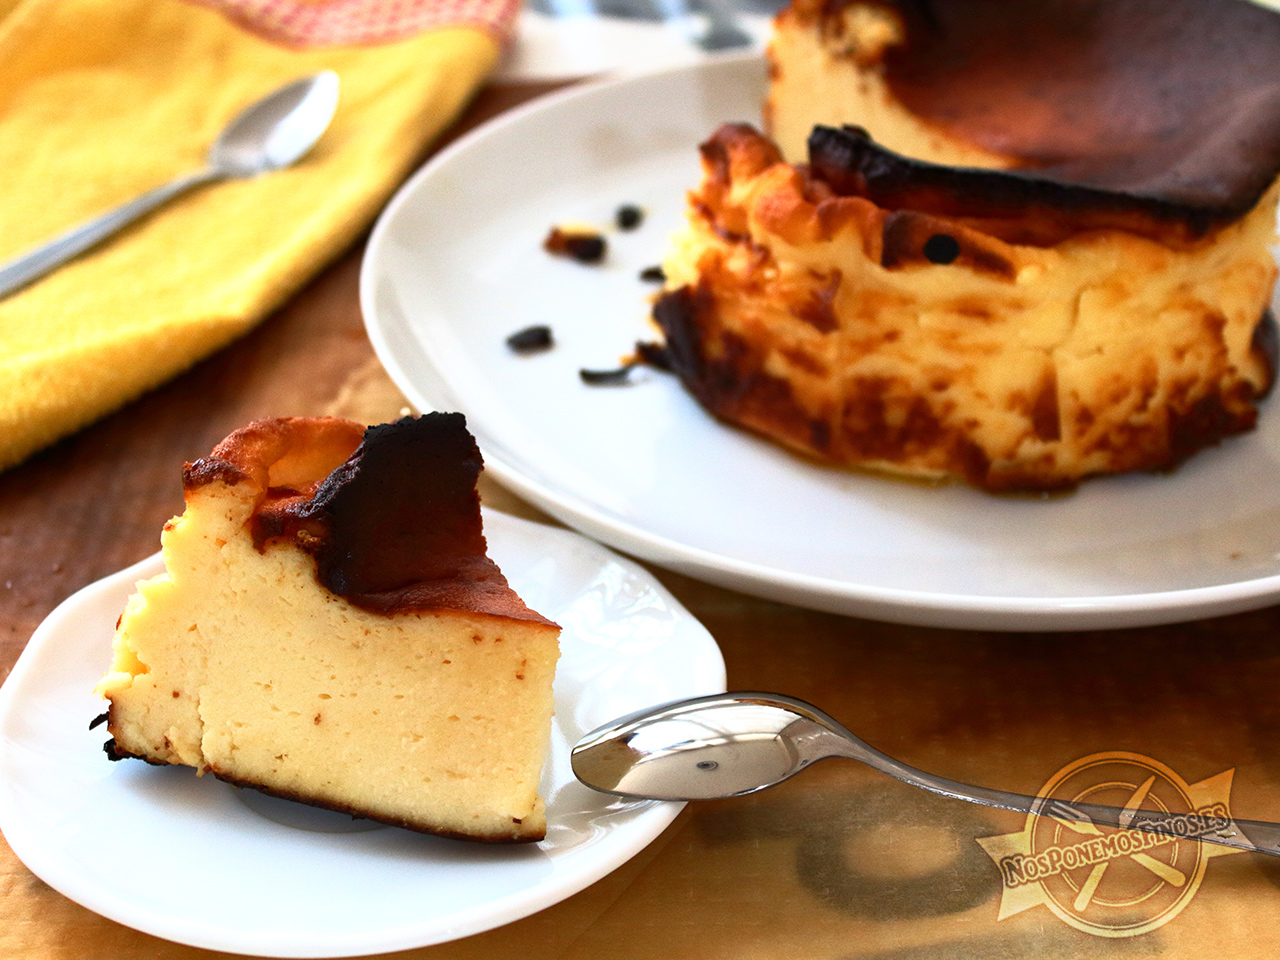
[271, 134]
[729, 744]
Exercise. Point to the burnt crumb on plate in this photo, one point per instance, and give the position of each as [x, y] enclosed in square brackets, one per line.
[646, 353]
[531, 339]
[580, 245]
[654, 354]
[608, 378]
[653, 275]
[628, 217]
[99, 719]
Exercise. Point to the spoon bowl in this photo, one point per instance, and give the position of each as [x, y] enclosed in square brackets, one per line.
[729, 744]
[702, 749]
[278, 130]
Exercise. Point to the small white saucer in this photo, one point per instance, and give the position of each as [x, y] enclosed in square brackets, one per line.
[203, 863]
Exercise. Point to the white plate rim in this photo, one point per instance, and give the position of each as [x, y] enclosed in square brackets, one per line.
[626, 841]
[915, 607]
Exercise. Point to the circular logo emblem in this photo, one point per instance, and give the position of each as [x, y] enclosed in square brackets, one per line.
[1105, 881]
[1143, 880]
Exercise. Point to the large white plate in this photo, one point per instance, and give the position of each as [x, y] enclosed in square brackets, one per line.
[203, 863]
[455, 265]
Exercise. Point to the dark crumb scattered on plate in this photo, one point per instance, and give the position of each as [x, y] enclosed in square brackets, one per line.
[579, 245]
[653, 275]
[654, 354]
[629, 216]
[531, 339]
[607, 378]
[100, 719]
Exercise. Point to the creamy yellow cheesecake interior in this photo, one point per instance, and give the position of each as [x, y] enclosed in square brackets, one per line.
[329, 629]
[1018, 244]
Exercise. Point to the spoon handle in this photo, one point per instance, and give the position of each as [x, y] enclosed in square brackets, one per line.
[1255, 836]
[35, 263]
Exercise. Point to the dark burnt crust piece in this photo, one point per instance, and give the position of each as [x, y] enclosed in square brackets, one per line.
[734, 386]
[395, 527]
[122, 754]
[211, 470]
[1017, 206]
[1176, 102]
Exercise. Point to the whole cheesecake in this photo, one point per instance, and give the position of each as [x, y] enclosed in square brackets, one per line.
[984, 245]
[330, 629]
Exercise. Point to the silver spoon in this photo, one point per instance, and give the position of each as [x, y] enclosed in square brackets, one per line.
[729, 744]
[272, 133]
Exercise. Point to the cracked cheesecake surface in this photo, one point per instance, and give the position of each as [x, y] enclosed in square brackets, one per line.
[945, 338]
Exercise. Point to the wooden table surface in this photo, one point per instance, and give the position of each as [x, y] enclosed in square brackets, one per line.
[838, 863]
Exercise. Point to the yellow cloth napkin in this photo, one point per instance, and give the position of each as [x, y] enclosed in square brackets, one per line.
[101, 100]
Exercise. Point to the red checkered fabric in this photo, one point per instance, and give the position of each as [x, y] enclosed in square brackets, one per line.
[322, 23]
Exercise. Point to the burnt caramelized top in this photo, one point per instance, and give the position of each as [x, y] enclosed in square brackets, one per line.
[392, 516]
[1015, 206]
[1172, 104]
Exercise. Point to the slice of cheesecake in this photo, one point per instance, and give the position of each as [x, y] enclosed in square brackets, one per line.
[331, 630]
